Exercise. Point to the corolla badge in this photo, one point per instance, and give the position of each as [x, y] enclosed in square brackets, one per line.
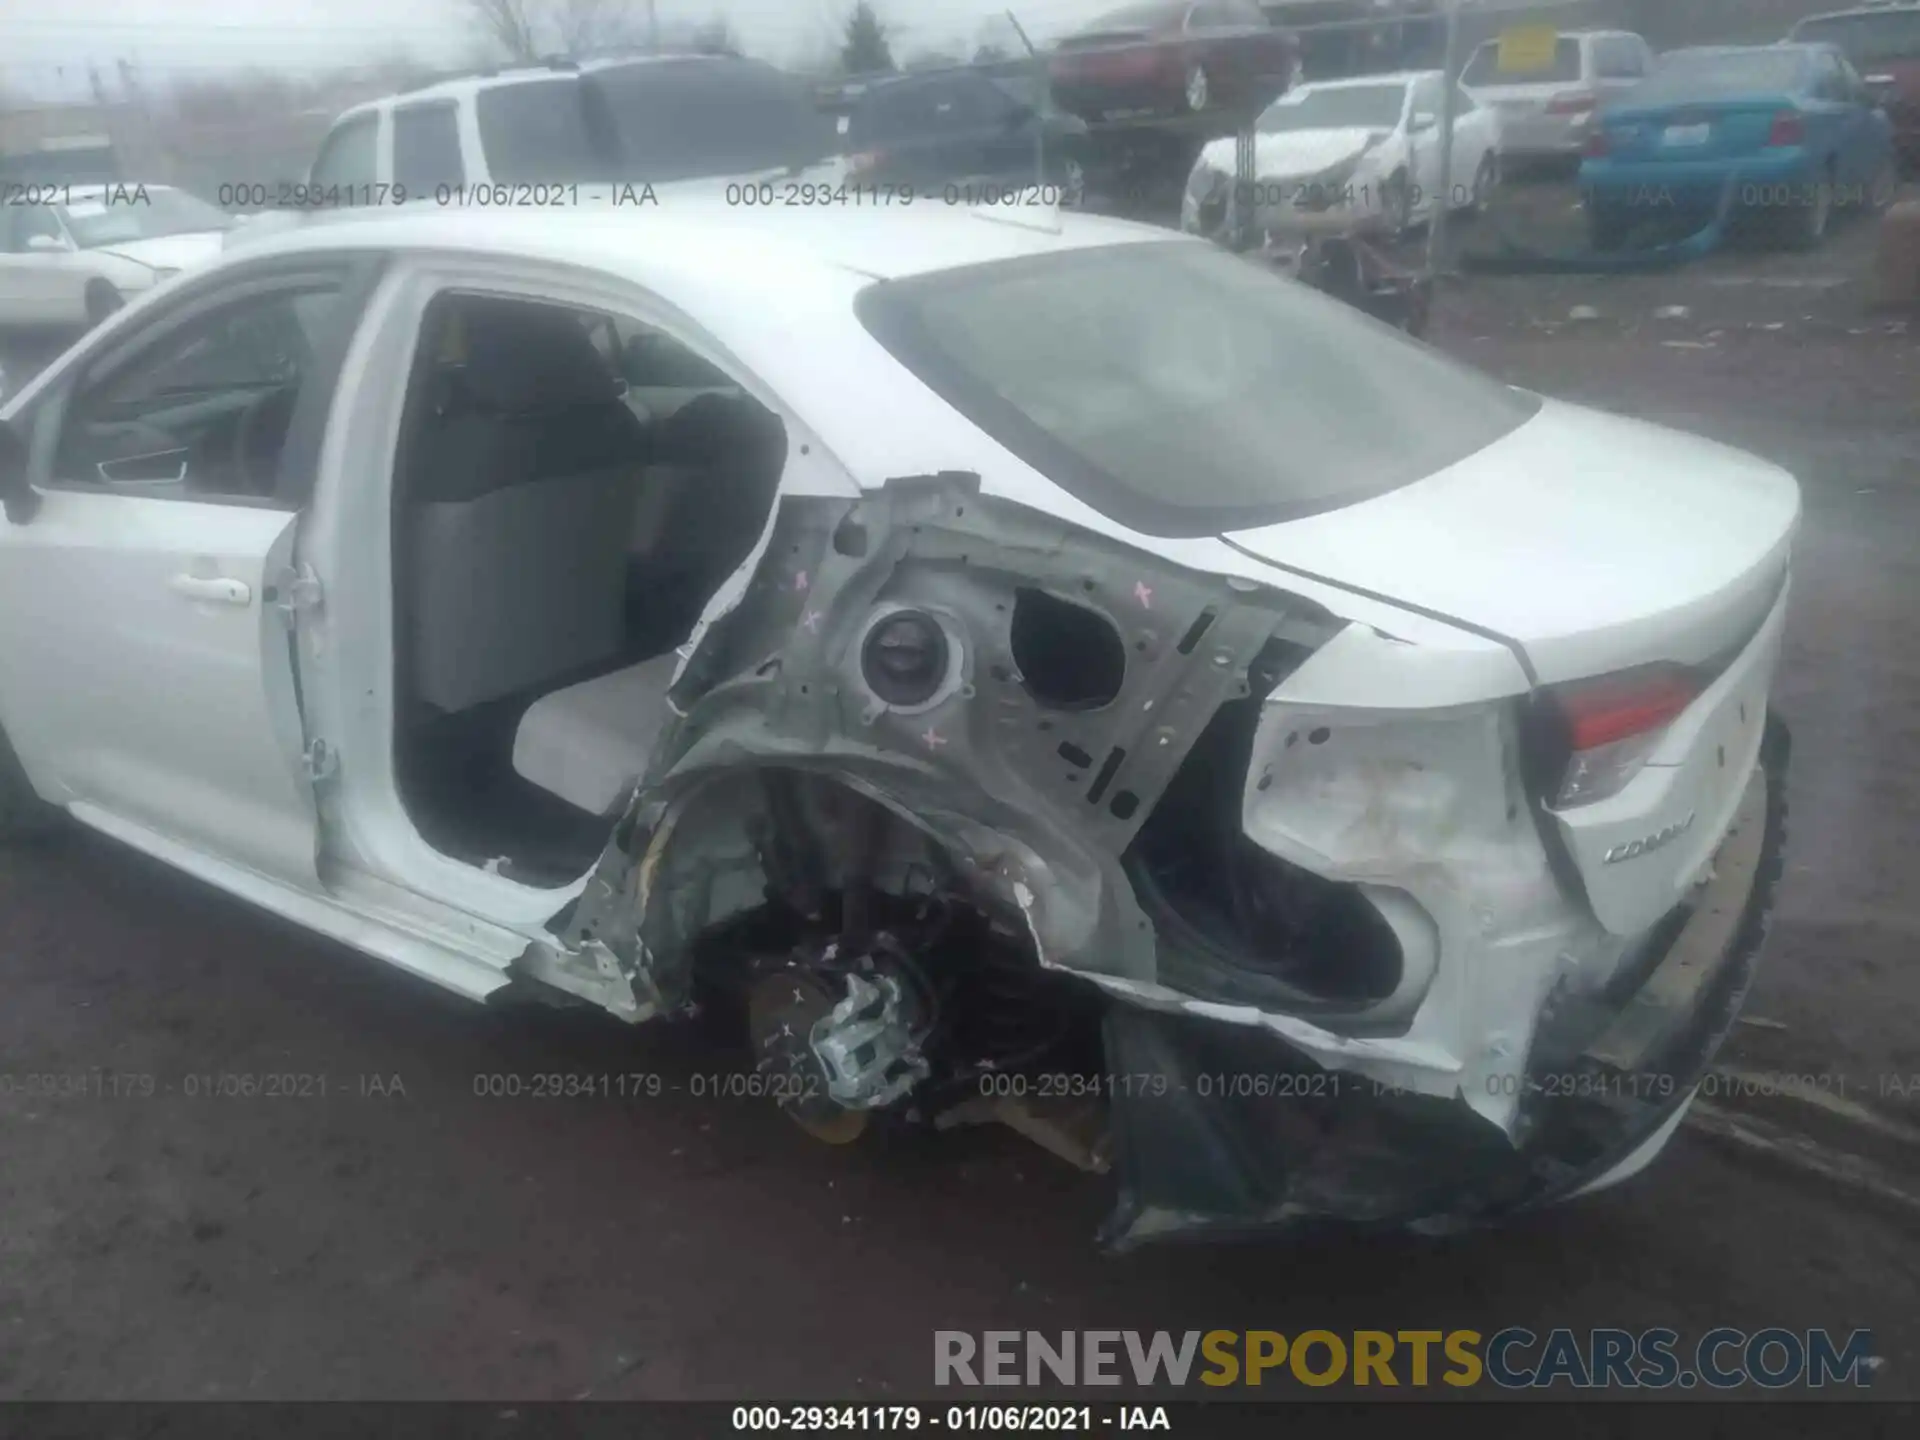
[1646, 845]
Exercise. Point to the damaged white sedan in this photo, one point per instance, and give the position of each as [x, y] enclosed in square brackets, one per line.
[1364, 156]
[1056, 674]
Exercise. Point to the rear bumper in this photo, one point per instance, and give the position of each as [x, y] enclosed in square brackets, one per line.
[1245, 1137]
[1674, 183]
[1545, 136]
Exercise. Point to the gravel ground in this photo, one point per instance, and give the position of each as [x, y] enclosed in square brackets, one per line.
[402, 1238]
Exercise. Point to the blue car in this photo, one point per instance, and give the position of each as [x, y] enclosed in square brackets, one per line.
[1785, 134]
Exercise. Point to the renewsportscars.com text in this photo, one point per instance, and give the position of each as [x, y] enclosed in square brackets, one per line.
[1514, 1358]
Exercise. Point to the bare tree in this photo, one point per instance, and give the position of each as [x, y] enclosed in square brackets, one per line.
[508, 24]
[529, 29]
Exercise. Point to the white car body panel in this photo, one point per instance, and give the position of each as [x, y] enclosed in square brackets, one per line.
[1535, 527]
[148, 701]
[1579, 544]
[168, 252]
[43, 288]
[1689, 790]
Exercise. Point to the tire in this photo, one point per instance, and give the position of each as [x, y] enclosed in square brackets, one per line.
[102, 301]
[1805, 227]
[1399, 202]
[1198, 92]
[1485, 179]
[1883, 187]
[1607, 229]
[23, 815]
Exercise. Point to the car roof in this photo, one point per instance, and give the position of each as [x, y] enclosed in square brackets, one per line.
[1802, 47]
[880, 84]
[1895, 7]
[466, 87]
[1579, 35]
[715, 245]
[1350, 82]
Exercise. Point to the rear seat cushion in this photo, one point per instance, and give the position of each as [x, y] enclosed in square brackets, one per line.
[589, 742]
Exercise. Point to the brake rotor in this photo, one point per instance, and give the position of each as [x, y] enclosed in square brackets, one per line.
[781, 1011]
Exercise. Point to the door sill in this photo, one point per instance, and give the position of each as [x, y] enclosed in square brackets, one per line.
[370, 930]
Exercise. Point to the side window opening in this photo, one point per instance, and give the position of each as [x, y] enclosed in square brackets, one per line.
[426, 148]
[207, 411]
[347, 155]
[571, 488]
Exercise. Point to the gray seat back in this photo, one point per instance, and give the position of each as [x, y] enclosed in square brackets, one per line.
[523, 488]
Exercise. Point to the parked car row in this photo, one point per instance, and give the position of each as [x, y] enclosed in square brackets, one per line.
[1793, 133]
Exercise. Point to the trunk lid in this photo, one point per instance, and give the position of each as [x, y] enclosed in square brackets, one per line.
[1587, 542]
[1695, 130]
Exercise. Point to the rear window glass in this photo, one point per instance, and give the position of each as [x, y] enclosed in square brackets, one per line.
[538, 132]
[685, 119]
[1683, 76]
[1868, 39]
[1484, 68]
[1184, 391]
[926, 110]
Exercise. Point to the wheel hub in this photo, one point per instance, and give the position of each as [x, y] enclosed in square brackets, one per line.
[838, 1042]
[782, 1011]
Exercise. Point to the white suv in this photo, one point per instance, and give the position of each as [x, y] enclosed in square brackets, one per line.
[1547, 109]
[535, 135]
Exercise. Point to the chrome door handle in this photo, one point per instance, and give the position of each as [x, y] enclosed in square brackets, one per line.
[219, 590]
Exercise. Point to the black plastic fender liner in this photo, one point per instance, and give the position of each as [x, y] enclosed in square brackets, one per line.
[1223, 1131]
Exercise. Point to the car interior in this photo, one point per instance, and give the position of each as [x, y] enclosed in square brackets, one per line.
[570, 489]
[206, 413]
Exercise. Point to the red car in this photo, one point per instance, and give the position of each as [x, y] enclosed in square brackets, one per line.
[1174, 57]
[1883, 44]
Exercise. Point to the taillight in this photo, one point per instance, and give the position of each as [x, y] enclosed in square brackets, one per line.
[866, 161]
[1572, 103]
[1600, 732]
[1788, 129]
[1597, 146]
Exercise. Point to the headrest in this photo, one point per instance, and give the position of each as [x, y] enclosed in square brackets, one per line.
[522, 358]
[710, 429]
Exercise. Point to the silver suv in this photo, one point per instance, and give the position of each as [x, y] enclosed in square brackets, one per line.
[652, 119]
[1547, 104]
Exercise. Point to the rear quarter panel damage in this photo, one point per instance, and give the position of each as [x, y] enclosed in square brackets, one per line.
[1376, 763]
[1037, 802]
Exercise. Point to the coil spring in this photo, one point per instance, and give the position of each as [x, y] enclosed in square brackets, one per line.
[1011, 1019]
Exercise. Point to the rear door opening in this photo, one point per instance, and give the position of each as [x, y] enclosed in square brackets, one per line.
[571, 487]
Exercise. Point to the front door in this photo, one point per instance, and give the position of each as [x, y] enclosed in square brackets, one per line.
[43, 280]
[146, 669]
